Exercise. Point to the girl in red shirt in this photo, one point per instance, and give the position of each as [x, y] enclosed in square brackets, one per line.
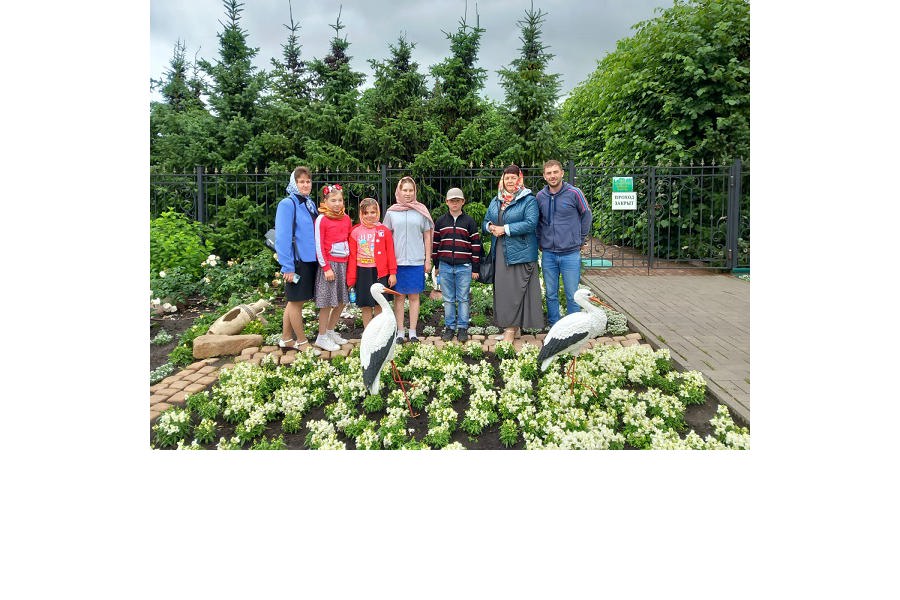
[372, 257]
[332, 251]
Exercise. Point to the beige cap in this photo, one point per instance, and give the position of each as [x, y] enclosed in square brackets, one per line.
[455, 193]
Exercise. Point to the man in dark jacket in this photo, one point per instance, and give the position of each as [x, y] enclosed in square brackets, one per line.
[563, 227]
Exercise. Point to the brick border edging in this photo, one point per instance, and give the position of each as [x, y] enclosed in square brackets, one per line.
[198, 376]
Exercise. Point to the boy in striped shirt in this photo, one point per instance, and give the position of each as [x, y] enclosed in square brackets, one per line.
[457, 249]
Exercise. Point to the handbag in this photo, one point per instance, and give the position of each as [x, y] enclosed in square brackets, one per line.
[486, 266]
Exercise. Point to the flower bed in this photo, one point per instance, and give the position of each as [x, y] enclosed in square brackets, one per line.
[466, 398]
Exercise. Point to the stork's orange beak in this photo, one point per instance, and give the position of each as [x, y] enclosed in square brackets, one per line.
[390, 291]
[601, 302]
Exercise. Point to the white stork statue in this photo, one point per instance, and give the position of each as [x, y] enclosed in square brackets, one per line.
[376, 347]
[573, 332]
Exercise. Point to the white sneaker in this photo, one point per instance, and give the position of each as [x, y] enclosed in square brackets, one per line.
[334, 337]
[324, 342]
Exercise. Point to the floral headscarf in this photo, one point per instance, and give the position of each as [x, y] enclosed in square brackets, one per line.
[507, 197]
[413, 204]
[292, 190]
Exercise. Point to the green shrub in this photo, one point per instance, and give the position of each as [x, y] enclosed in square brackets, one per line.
[236, 282]
[477, 211]
[478, 320]
[234, 228]
[176, 241]
[616, 323]
[179, 284]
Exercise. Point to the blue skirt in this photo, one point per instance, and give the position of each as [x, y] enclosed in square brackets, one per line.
[410, 279]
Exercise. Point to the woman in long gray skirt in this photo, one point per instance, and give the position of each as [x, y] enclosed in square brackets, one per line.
[512, 219]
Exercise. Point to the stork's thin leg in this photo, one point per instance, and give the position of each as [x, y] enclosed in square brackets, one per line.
[399, 380]
[571, 372]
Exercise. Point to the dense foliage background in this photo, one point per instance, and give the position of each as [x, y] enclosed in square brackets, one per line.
[677, 90]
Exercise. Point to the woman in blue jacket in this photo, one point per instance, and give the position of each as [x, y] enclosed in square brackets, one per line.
[512, 219]
[296, 251]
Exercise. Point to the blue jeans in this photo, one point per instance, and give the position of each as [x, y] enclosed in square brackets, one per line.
[455, 282]
[569, 265]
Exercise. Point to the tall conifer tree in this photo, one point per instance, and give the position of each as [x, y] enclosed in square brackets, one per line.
[392, 113]
[336, 92]
[532, 93]
[181, 130]
[235, 87]
[455, 100]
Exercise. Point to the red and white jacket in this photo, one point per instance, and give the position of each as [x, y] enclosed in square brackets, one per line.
[385, 259]
[331, 240]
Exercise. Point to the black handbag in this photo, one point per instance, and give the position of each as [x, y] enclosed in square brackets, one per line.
[486, 266]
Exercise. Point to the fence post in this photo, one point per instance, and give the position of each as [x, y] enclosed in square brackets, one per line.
[200, 204]
[570, 168]
[651, 218]
[733, 214]
[384, 190]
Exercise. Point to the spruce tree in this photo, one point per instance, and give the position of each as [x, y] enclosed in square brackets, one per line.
[531, 94]
[455, 100]
[181, 130]
[290, 76]
[282, 114]
[335, 96]
[176, 89]
[390, 124]
[235, 87]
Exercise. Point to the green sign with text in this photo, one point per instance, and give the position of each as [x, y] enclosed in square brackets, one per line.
[623, 184]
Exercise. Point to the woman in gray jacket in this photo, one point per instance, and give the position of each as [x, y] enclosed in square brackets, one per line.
[512, 220]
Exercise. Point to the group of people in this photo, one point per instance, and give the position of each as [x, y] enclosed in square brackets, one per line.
[323, 255]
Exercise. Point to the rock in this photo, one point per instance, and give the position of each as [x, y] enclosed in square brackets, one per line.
[224, 345]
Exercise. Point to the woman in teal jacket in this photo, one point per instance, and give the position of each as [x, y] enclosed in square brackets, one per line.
[512, 220]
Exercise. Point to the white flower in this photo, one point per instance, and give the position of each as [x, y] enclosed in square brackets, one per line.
[162, 273]
[206, 280]
[155, 302]
[166, 306]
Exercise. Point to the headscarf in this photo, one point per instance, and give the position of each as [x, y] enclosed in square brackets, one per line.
[292, 190]
[323, 207]
[377, 212]
[413, 204]
[507, 197]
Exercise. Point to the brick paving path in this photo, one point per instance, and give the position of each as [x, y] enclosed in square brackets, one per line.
[174, 389]
[703, 319]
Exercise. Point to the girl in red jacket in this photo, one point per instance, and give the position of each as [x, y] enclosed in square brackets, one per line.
[332, 251]
[372, 257]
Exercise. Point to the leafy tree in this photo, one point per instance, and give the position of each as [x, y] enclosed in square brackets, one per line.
[235, 88]
[677, 91]
[531, 95]
[455, 101]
